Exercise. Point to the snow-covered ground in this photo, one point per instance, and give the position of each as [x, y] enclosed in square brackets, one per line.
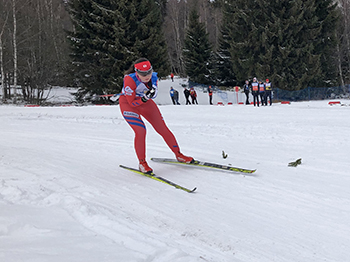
[63, 196]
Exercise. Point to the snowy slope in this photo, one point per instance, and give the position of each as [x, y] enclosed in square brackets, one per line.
[64, 198]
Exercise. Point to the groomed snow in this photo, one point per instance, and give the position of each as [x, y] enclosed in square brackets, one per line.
[63, 196]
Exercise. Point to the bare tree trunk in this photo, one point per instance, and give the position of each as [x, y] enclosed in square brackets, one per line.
[14, 52]
[54, 37]
[176, 31]
[2, 89]
[6, 13]
[217, 19]
[340, 69]
[2, 71]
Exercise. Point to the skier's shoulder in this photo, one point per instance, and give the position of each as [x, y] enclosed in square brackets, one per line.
[130, 80]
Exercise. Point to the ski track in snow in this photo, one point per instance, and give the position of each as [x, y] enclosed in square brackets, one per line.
[64, 198]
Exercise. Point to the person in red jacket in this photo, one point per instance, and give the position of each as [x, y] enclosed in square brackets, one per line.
[210, 91]
[139, 89]
[193, 96]
[172, 77]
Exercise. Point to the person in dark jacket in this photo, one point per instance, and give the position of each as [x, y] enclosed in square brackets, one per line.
[246, 88]
[255, 91]
[187, 96]
[262, 92]
[268, 91]
[176, 97]
[210, 91]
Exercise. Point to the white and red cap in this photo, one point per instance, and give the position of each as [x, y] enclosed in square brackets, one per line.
[143, 68]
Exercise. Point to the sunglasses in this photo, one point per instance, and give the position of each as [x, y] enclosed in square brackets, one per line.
[144, 73]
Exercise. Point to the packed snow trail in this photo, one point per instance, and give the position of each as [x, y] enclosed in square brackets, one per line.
[63, 196]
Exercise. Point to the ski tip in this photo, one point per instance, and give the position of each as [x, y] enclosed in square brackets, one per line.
[192, 191]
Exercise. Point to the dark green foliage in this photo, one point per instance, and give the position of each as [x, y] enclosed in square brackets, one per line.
[109, 36]
[139, 34]
[223, 68]
[237, 24]
[91, 43]
[295, 62]
[286, 41]
[328, 16]
[162, 5]
[197, 51]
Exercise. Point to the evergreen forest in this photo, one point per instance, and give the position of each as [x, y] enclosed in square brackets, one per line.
[89, 44]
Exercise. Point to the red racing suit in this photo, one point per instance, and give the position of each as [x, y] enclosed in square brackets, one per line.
[132, 108]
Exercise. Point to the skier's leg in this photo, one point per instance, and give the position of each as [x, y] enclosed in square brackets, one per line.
[132, 117]
[152, 114]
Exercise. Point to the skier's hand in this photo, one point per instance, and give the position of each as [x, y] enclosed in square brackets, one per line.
[148, 95]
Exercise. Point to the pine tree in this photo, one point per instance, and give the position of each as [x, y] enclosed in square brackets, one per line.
[294, 32]
[278, 39]
[328, 16]
[91, 43]
[197, 51]
[223, 68]
[239, 37]
[138, 33]
[109, 36]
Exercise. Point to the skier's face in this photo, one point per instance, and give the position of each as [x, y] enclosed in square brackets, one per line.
[145, 78]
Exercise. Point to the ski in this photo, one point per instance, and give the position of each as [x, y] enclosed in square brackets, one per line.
[158, 178]
[205, 164]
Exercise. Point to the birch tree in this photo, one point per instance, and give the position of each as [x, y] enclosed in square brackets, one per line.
[174, 21]
[14, 35]
[3, 23]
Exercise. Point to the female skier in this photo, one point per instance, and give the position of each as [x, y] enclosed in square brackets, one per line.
[139, 89]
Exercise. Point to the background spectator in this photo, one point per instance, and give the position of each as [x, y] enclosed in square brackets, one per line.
[193, 96]
[246, 88]
[210, 91]
[187, 96]
[268, 91]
